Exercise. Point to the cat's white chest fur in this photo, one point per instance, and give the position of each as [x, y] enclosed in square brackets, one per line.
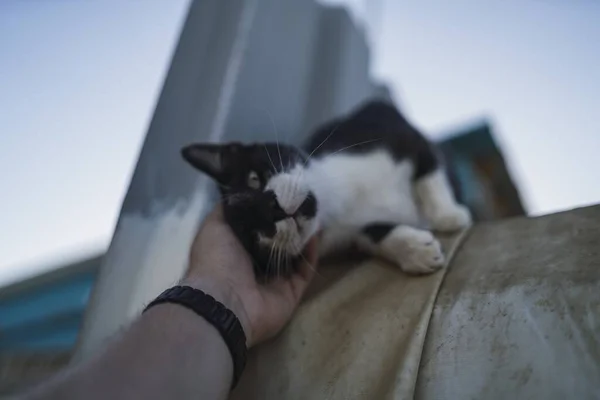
[354, 190]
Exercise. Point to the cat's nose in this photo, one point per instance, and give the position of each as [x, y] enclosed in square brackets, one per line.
[308, 208]
[277, 213]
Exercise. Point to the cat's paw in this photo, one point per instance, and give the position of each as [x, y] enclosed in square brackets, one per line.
[416, 251]
[451, 219]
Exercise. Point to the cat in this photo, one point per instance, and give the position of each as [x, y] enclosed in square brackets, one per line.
[368, 179]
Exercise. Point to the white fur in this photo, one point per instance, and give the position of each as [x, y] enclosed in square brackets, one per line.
[438, 204]
[354, 190]
[414, 250]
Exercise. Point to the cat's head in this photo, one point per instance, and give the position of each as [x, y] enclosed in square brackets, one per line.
[266, 199]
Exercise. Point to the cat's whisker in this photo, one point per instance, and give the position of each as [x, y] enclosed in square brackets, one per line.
[353, 145]
[279, 256]
[270, 253]
[284, 259]
[273, 258]
[278, 151]
[225, 198]
[298, 177]
[287, 264]
[276, 139]
[310, 265]
[270, 258]
[229, 196]
[272, 121]
[321, 144]
[268, 155]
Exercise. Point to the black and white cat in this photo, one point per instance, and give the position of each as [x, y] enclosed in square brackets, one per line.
[368, 179]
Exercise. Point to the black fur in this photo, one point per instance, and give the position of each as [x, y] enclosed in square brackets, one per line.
[375, 125]
[376, 232]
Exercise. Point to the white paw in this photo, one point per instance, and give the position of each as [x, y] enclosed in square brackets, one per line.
[416, 251]
[451, 219]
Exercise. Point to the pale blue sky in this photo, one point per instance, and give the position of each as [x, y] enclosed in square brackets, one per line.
[79, 81]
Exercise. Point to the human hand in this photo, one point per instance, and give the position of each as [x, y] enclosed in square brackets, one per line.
[220, 266]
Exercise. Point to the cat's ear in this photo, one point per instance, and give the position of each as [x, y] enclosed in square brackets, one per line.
[208, 158]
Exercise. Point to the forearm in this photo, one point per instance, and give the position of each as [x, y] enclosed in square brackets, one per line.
[169, 353]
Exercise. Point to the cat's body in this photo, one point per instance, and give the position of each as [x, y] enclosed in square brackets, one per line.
[368, 179]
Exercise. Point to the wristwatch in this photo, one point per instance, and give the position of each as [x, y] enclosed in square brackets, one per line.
[219, 316]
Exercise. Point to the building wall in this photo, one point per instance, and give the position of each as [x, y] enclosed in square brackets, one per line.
[484, 181]
[40, 320]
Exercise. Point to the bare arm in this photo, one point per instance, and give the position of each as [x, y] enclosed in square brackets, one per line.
[170, 352]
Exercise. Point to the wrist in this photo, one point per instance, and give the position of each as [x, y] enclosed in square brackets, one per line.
[225, 294]
[189, 339]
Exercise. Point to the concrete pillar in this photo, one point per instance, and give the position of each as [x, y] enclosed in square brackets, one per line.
[166, 198]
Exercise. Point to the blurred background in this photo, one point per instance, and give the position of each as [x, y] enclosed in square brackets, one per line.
[509, 89]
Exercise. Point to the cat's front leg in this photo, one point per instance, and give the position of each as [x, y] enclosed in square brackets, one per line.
[415, 251]
[438, 205]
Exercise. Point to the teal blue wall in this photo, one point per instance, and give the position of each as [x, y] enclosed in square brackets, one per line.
[46, 312]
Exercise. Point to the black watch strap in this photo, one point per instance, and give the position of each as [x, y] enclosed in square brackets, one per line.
[223, 319]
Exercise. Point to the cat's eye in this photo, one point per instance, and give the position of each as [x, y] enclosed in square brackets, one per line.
[253, 180]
